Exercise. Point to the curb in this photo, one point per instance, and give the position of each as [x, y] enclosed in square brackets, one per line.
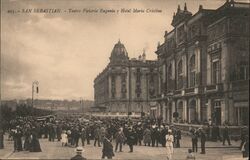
[7, 155]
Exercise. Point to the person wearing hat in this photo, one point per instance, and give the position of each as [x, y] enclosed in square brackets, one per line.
[163, 133]
[139, 132]
[225, 135]
[107, 150]
[245, 148]
[147, 136]
[78, 156]
[131, 138]
[169, 145]
[120, 138]
[203, 140]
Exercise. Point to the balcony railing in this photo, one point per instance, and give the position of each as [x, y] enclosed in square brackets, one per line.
[215, 87]
[189, 90]
[211, 87]
[178, 92]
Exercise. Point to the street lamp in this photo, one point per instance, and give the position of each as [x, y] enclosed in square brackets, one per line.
[34, 84]
[81, 104]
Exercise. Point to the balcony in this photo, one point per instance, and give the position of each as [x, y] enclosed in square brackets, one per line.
[177, 92]
[190, 90]
[214, 88]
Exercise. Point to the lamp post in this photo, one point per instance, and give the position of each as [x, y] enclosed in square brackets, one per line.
[1, 119]
[34, 83]
[81, 104]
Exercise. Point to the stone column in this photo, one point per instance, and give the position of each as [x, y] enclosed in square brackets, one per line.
[164, 113]
[231, 114]
[173, 110]
[184, 110]
[223, 111]
[209, 109]
[198, 108]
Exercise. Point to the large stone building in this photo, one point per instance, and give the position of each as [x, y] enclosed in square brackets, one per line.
[126, 86]
[204, 66]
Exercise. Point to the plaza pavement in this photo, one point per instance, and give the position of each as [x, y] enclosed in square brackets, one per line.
[54, 150]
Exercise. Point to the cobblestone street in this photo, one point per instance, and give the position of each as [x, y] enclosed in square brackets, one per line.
[54, 150]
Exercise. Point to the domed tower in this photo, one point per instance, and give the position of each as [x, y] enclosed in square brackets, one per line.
[119, 53]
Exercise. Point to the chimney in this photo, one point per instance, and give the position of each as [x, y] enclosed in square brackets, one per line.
[179, 8]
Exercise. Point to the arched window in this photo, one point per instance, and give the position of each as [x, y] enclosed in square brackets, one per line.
[192, 71]
[180, 73]
[169, 77]
[170, 74]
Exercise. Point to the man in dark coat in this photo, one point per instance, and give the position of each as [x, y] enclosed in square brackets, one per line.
[225, 134]
[18, 139]
[131, 139]
[120, 138]
[139, 132]
[83, 136]
[97, 134]
[77, 136]
[178, 137]
[164, 132]
[153, 135]
[51, 133]
[245, 148]
[1, 138]
[107, 150]
[194, 136]
[78, 155]
[203, 140]
[73, 136]
[88, 134]
[59, 132]
[243, 136]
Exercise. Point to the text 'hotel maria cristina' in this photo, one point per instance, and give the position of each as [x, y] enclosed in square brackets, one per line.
[202, 71]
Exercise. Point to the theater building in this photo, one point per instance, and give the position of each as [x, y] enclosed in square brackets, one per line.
[126, 86]
[204, 66]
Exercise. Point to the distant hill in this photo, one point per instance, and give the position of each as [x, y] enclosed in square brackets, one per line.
[53, 105]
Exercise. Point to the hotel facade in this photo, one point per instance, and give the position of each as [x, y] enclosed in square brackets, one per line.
[201, 74]
[126, 86]
[204, 66]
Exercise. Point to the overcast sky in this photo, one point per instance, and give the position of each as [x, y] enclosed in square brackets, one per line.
[65, 51]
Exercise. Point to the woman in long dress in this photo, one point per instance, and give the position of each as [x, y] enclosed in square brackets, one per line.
[34, 145]
[64, 139]
[169, 145]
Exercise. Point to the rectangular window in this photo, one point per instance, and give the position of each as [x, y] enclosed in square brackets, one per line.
[192, 79]
[243, 73]
[216, 72]
[180, 82]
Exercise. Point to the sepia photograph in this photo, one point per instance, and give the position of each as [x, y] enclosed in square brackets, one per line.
[124, 79]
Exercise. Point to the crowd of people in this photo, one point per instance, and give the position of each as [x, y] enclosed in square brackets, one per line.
[105, 132]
